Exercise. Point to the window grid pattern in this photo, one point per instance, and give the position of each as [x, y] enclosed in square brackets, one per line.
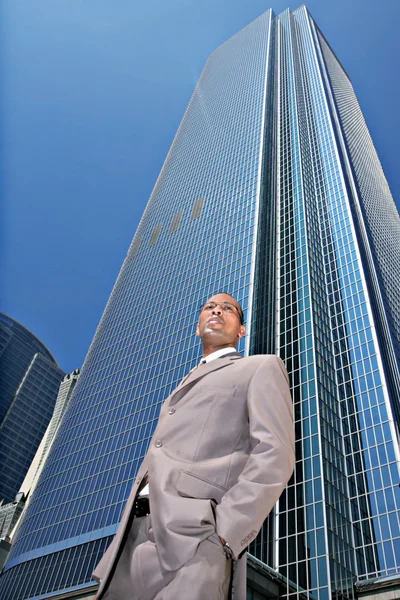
[197, 208]
[155, 235]
[30, 379]
[302, 552]
[145, 342]
[318, 160]
[345, 523]
[175, 222]
[9, 515]
[134, 249]
[369, 438]
[262, 339]
[377, 214]
[54, 571]
[24, 424]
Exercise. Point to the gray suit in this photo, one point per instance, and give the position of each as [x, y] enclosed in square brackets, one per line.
[220, 457]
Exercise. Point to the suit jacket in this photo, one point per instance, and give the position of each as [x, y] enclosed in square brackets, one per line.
[220, 457]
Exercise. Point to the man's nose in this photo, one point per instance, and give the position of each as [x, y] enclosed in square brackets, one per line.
[217, 310]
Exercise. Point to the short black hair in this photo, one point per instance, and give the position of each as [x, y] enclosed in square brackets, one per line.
[240, 311]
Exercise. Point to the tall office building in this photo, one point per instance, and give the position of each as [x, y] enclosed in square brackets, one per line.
[64, 396]
[11, 513]
[272, 190]
[28, 485]
[9, 516]
[29, 382]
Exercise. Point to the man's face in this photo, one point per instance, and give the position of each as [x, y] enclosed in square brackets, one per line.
[219, 321]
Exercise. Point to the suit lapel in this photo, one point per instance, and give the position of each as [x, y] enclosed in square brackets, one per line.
[200, 372]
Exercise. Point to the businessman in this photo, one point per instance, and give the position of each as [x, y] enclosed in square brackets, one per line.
[220, 457]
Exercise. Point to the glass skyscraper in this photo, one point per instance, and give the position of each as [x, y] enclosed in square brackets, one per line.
[29, 382]
[272, 190]
[64, 396]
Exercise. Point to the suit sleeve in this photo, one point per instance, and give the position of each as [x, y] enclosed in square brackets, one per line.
[246, 505]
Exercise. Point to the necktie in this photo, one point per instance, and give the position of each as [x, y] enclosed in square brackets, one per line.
[202, 362]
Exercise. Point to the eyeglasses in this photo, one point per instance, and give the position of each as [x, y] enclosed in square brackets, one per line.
[226, 307]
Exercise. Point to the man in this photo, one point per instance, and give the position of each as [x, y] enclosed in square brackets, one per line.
[220, 457]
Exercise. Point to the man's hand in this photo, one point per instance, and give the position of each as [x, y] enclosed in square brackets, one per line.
[227, 549]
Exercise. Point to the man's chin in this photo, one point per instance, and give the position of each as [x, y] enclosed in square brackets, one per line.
[217, 336]
[214, 329]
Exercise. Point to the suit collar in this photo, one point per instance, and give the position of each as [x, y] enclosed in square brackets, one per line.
[200, 372]
[218, 354]
[235, 355]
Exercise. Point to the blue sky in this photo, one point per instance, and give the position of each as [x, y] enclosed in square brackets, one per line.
[93, 92]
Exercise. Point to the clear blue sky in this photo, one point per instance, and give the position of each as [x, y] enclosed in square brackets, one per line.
[92, 94]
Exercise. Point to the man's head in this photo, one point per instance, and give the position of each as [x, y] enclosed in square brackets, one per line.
[220, 323]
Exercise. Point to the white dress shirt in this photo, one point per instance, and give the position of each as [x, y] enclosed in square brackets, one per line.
[217, 354]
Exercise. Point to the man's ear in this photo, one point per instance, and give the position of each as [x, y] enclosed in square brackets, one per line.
[197, 330]
[242, 331]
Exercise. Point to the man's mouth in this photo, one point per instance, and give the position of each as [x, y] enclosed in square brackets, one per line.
[211, 320]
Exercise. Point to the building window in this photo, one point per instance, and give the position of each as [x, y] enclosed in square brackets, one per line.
[155, 235]
[197, 208]
[134, 249]
[176, 221]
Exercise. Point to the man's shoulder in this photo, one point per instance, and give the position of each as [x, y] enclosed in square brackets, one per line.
[261, 359]
[264, 365]
[253, 363]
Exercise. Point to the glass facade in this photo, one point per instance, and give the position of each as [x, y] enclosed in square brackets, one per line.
[260, 195]
[29, 382]
[64, 396]
[9, 515]
[329, 521]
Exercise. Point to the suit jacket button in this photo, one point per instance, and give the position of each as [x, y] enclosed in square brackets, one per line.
[158, 444]
[171, 411]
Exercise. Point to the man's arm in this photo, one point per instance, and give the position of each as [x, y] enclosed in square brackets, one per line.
[245, 506]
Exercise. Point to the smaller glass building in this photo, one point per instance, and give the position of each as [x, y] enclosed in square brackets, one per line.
[65, 393]
[10, 513]
[29, 383]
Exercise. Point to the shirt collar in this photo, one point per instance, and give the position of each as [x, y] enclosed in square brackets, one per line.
[217, 354]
